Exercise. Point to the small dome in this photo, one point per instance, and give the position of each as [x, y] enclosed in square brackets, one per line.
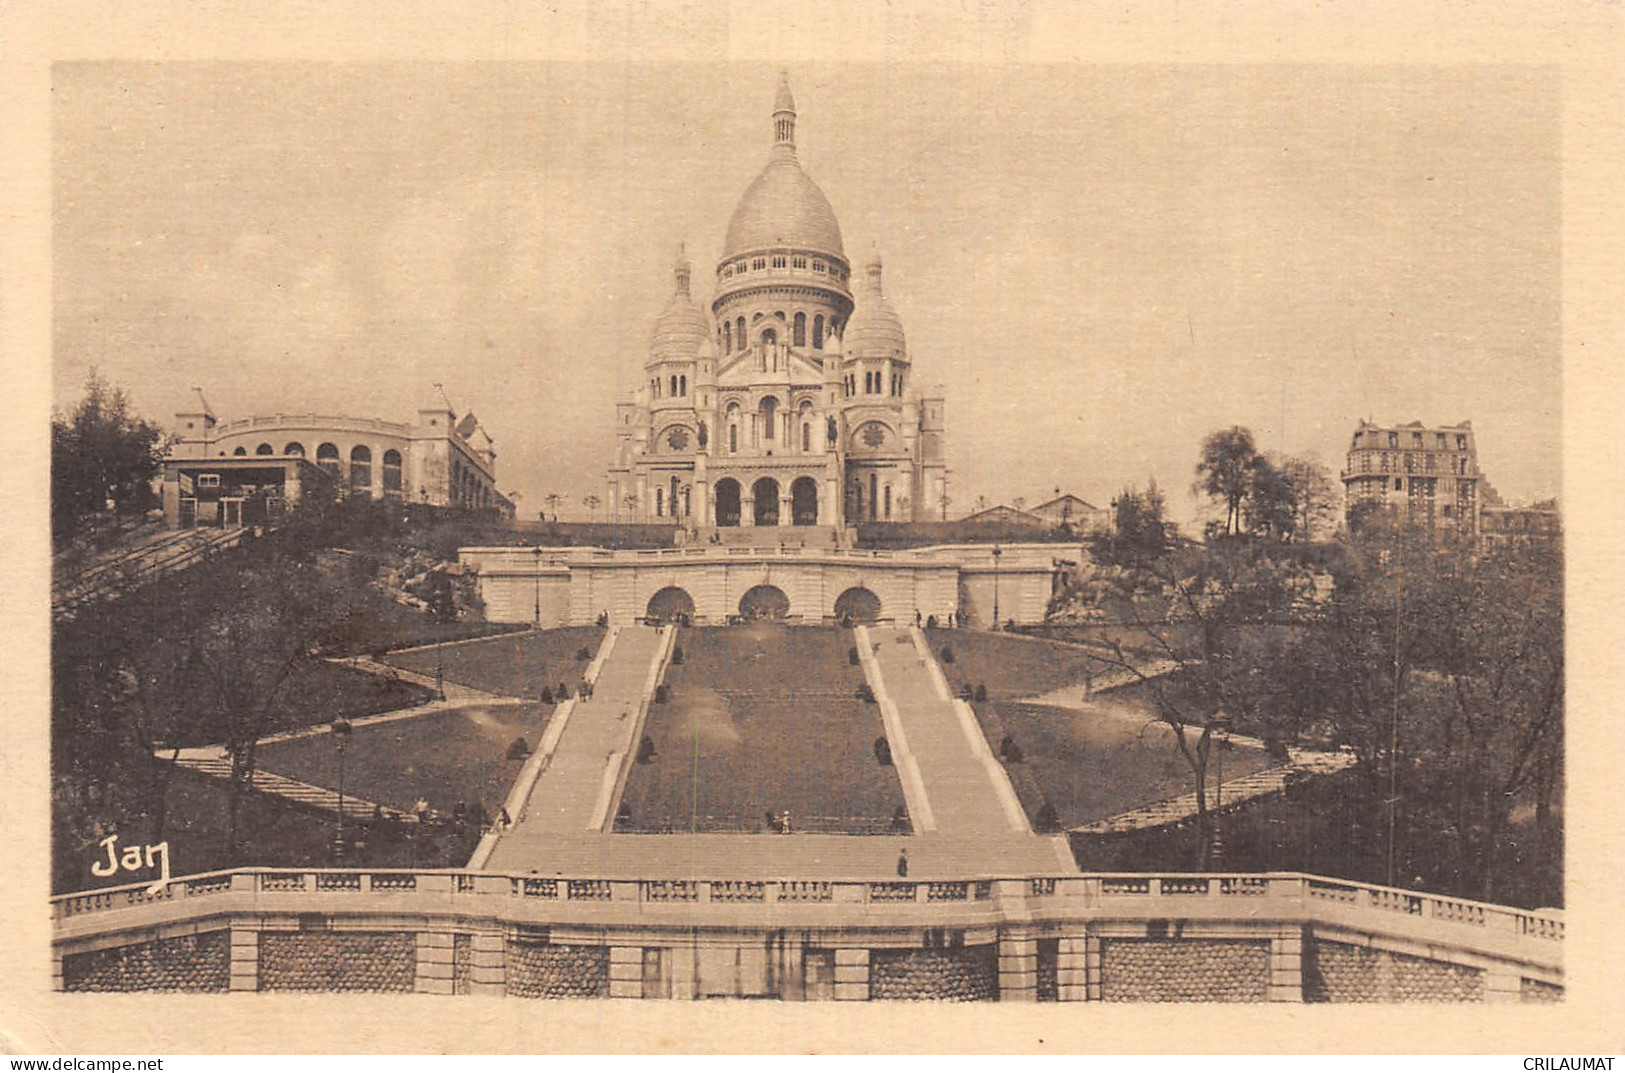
[874, 330]
[681, 327]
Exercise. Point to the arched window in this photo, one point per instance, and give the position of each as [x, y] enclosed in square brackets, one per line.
[327, 457]
[818, 331]
[264, 449]
[682, 386]
[874, 494]
[728, 338]
[806, 436]
[739, 332]
[770, 408]
[770, 337]
[392, 470]
[888, 502]
[294, 450]
[733, 439]
[239, 452]
[360, 467]
[660, 502]
[800, 335]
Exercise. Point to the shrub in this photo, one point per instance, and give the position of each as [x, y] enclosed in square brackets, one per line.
[947, 654]
[981, 692]
[519, 749]
[852, 655]
[965, 692]
[677, 654]
[662, 693]
[646, 750]
[899, 820]
[584, 653]
[883, 751]
[1047, 822]
[547, 694]
[864, 693]
[1010, 750]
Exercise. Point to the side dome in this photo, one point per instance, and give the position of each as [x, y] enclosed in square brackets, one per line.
[681, 326]
[874, 330]
[783, 207]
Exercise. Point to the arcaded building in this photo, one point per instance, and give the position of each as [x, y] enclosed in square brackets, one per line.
[241, 472]
[790, 399]
[1424, 474]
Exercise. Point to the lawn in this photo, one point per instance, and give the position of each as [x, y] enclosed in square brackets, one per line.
[1107, 758]
[1012, 666]
[381, 624]
[517, 665]
[763, 718]
[444, 757]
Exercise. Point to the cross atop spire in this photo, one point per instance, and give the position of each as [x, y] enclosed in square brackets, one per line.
[784, 114]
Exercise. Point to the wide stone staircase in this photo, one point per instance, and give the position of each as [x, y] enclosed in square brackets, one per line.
[213, 761]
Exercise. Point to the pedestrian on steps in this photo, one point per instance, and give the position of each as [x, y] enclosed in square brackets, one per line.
[902, 864]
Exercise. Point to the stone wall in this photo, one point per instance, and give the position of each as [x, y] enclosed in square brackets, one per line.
[337, 961]
[198, 962]
[1539, 991]
[967, 974]
[543, 970]
[1184, 970]
[1340, 972]
[462, 963]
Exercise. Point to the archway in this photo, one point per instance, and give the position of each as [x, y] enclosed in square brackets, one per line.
[670, 604]
[727, 506]
[804, 501]
[857, 606]
[766, 492]
[764, 602]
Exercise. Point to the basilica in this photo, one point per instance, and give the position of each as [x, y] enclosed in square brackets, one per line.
[791, 401]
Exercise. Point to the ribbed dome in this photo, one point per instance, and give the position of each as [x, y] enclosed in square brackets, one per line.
[681, 327]
[874, 330]
[783, 207]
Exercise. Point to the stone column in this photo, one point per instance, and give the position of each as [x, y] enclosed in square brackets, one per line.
[1071, 970]
[1091, 967]
[1286, 964]
[435, 970]
[488, 963]
[245, 960]
[747, 508]
[851, 975]
[626, 972]
[706, 509]
[829, 502]
[1018, 969]
[786, 509]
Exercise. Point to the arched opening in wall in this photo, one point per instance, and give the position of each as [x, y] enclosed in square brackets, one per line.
[804, 501]
[857, 607]
[806, 436]
[874, 494]
[770, 337]
[660, 502]
[672, 499]
[670, 604]
[728, 338]
[766, 492]
[294, 450]
[769, 412]
[800, 332]
[818, 331]
[764, 602]
[264, 449]
[239, 452]
[739, 333]
[360, 467]
[327, 457]
[727, 505]
[392, 470]
[888, 502]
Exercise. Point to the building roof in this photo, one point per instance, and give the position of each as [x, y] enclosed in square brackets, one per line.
[783, 207]
[1060, 502]
[874, 329]
[1004, 514]
[681, 326]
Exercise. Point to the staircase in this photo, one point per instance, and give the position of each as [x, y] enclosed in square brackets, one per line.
[214, 762]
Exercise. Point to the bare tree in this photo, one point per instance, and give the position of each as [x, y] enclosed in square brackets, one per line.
[592, 503]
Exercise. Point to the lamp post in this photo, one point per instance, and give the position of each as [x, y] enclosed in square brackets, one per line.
[537, 621]
[997, 553]
[341, 733]
[1219, 725]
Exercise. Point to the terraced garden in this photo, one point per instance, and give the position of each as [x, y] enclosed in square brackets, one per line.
[514, 665]
[762, 719]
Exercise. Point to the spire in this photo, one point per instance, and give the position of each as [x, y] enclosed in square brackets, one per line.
[872, 269]
[784, 115]
[683, 269]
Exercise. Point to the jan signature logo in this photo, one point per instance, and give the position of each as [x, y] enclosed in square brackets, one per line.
[134, 859]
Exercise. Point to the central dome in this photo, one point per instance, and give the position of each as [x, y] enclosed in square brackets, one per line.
[783, 207]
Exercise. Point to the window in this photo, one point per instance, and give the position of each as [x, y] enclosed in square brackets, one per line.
[1399, 484]
[682, 386]
[392, 470]
[727, 271]
[800, 331]
[1416, 439]
[770, 407]
[818, 266]
[888, 502]
[778, 262]
[1461, 443]
[674, 387]
[733, 439]
[1438, 440]
[239, 452]
[264, 449]
[327, 457]
[360, 467]
[660, 502]
[799, 262]
[806, 436]
[739, 333]
[727, 338]
[758, 264]
[294, 450]
[1393, 439]
[209, 480]
[818, 331]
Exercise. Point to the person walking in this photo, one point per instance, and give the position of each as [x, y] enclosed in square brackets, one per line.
[902, 863]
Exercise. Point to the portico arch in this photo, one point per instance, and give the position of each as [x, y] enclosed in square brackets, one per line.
[764, 602]
[670, 604]
[727, 501]
[804, 501]
[858, 606]
[766, 492]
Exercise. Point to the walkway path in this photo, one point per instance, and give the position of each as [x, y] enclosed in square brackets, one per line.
[568, 798]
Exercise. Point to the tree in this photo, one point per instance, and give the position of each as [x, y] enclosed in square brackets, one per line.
[1225, 472]
[1314, 497]
[552, 499]
[101, 453]
[1271, 505]
[1139, 532]
[592, 503]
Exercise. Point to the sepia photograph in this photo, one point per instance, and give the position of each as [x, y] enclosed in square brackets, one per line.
[811, 530]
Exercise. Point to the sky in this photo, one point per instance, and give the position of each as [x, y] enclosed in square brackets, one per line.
[1098, 265]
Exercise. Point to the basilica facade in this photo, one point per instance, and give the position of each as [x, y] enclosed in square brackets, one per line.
[790, 401]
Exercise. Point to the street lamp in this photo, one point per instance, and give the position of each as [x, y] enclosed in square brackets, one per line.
[341, 733]
[997, 552]
[538, 619]
[1219, 725]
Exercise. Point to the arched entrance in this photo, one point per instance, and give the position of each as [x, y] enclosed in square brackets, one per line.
[670, 604]
[727, 506]
[804, 501]
[766, 492]
[764, 602]
[857, 606]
